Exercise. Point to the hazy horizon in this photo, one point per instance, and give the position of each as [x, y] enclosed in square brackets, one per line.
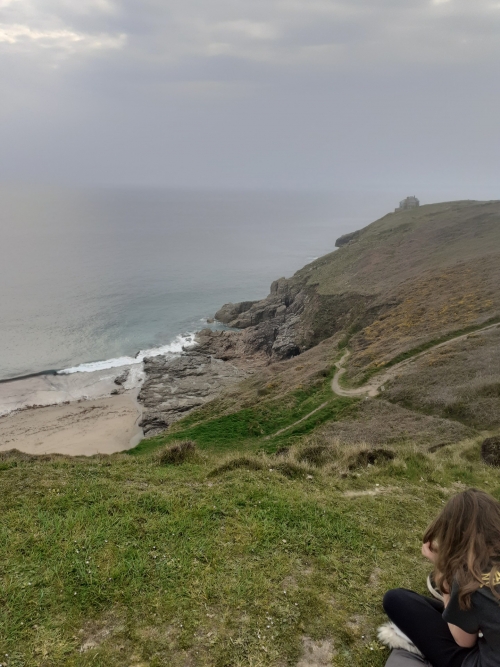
[281, 94]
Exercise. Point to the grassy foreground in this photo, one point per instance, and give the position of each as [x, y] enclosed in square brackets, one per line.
[221, 561]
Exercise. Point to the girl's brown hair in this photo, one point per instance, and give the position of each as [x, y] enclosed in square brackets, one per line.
[466, 540]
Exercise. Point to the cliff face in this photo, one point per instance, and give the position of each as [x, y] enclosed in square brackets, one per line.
[176, 386]
[273, 324]
[293, 318]
[391, 286]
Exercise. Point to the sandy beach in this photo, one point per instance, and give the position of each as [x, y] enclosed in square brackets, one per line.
[86, 427]
[70, 414]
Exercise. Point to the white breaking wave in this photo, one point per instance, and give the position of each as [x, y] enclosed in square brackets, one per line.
[175, 347]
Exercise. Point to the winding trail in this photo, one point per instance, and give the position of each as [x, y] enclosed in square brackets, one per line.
[372, 387]
[287, 428]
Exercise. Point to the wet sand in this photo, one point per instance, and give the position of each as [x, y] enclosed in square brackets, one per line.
[71, 414]
[86, 427]
[50, 389]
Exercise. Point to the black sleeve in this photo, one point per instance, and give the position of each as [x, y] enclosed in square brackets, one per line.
[465, 619]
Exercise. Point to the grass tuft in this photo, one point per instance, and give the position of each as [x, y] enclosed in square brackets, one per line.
[316, 455]
[370, 457]
[182, 452]
[246, 462]
[292, 470]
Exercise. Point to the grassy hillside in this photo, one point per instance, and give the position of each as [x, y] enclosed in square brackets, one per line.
[223, 562]
[460, 381]
[409, 278]
[276, 397]
[403, 245]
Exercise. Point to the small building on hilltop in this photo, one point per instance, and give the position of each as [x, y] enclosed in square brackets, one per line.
[406, 204]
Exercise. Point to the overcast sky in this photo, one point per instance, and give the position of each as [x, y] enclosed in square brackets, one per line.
[400, 95]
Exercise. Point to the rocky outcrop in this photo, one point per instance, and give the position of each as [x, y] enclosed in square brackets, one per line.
[273, 325]
[293, 318]
[251, 313]
[122, 378]
[346, 238]
[230, 311]
[176, 385]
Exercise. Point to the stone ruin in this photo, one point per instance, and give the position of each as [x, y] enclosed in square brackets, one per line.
[408, 203]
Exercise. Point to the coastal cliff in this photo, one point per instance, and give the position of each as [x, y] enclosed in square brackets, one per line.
[398, 284]
[394, 285]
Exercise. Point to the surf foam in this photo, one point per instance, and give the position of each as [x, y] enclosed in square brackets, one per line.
[175, 347]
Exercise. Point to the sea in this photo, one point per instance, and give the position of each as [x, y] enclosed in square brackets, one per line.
[93, 279]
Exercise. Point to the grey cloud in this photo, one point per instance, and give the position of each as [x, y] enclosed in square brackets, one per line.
[291, 93]
[321, 33]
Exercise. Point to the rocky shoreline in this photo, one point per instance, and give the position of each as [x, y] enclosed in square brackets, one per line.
[276, 328]
[267, 330]
[264, 331]
[175, 386]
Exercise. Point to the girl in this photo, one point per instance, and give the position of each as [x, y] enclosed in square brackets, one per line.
[463, 630]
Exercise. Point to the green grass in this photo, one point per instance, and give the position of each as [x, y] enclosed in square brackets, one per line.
[170, 565]
[249, 426]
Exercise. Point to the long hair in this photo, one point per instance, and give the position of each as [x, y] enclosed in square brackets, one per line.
[466, 540]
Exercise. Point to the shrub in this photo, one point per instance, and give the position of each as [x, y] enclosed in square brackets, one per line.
[177, 454]
[490, 451]
[316, 455]
[241, 462]
[491, 390]
[368, 457]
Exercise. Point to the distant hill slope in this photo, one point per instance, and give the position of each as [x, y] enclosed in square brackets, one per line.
[401, 246]
[402, 281]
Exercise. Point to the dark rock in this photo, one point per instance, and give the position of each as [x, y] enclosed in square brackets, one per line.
[346, 238]
[272, 325]
[261, 338]
[252, 313]
[175, 386]
[285, 344]
[122, 378]
[230, 311]
[490, 451]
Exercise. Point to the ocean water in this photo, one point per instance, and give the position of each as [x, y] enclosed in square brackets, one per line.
[89, 278]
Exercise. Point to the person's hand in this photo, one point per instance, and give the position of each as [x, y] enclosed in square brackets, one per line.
[428, 552]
